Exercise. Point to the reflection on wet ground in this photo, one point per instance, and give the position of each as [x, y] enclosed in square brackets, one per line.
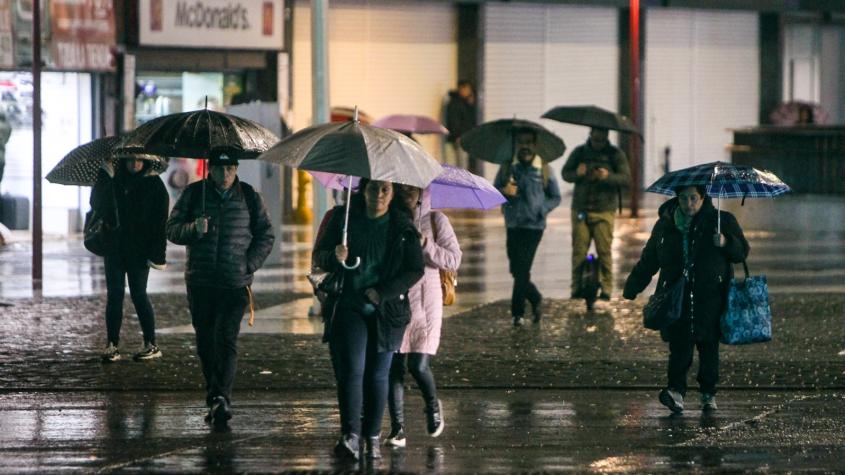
[486, 431]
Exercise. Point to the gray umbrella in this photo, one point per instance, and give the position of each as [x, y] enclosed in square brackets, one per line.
[356, 150]
[81, 165]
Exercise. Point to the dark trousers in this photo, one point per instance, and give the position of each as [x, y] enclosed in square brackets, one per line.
[216, 315]
[117, 271]
[417, 364]
[680, 360]
[360, 372]
[522, 246]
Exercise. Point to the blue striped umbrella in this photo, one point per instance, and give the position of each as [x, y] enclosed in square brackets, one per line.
[723, 180]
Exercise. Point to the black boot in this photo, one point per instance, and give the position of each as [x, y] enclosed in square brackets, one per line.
[373, 449]
[348, 447]
[434, 418]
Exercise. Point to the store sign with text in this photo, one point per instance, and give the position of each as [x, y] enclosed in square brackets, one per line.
[83, 34]
[225, 24]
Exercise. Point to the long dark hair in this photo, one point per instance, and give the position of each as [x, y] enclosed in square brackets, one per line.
[358, 204]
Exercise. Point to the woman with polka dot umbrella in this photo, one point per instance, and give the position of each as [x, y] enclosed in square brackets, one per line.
[81, 166]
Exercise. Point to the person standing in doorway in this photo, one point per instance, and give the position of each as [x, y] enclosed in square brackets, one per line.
[461, 116]
[532, 193]
[228, 236]
[599, 171]
[5, 134]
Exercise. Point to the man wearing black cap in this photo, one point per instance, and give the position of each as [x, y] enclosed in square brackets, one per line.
[228, 232]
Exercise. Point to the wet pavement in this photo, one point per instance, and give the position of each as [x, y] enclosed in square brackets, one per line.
[575, 393]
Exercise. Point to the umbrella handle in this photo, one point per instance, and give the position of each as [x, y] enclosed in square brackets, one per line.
[353, 266]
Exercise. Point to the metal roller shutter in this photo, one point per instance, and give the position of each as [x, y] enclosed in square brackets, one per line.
[387, 57]
[540, 56]
[701, 79]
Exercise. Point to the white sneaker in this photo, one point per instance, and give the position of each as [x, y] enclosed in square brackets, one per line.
[149, 352]
[110, 354]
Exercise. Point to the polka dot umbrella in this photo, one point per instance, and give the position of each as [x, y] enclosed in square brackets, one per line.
[81, 166]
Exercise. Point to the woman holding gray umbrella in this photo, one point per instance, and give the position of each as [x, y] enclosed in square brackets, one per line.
[367, 320]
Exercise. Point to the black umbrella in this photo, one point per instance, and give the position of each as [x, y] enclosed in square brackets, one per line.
[200, 134]
[495, 142]
[81, 165]
[592, 116]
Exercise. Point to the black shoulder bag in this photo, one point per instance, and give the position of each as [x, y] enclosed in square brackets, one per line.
[99, 237]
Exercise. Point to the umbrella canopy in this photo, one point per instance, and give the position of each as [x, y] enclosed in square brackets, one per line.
[723, 180]
[81, 165]
[351, 148]
[200, 134]
[454, 188]
[495, 142]
[412, 124]
[591, 116]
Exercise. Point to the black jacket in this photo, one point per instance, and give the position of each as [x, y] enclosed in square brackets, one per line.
[237, 242]
[142, 204]
[705, 294]
[461, 116]
[404, 266]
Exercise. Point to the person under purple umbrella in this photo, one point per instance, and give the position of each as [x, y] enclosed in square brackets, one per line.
[422, 336]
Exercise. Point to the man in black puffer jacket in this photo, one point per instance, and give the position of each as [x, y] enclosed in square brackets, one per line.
[228, 238]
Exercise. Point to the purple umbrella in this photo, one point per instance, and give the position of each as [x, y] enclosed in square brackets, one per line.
[454, 188]
[412, 124]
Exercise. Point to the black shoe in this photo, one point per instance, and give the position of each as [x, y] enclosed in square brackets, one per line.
[434, 419]
[373, 450]
[220, 411]
[576, 294]
[672, 399]
[604, 296]
[537, 310]
[517, 320]
[348, 446]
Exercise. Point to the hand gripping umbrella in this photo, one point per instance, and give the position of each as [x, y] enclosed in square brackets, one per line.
[723, 180]
[81, 165]
[454, 188]
[356, 150]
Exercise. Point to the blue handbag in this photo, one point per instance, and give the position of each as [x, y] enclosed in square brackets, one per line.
[748, 317]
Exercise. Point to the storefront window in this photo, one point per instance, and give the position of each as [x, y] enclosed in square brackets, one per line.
[164, 93]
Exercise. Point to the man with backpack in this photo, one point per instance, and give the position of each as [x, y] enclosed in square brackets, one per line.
[532, 193]
[228, 232]
[598, 170]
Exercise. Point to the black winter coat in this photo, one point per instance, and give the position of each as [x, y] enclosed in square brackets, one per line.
[235, 246]
[404, 266]
[142, 204]
[460, 116]
[705, 294]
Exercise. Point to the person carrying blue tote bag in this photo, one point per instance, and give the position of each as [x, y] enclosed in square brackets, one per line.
[747, 317]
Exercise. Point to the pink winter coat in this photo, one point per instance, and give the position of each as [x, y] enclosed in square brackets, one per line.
[439, 252]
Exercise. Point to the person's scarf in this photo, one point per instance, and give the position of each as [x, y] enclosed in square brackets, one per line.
[682, 222]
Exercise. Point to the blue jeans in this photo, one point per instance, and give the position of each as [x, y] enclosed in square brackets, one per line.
[117, 270]
[360, 372]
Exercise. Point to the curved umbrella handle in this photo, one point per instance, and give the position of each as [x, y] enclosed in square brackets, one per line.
[353, 266]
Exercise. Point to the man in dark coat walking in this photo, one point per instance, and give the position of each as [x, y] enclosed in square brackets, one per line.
[685, 244]
[228, 238]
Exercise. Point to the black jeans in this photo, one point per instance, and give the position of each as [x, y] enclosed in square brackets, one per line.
[421, 371]
[216, 315]
[360, 372]
[522, 246]
[117, 271]
[680, 360]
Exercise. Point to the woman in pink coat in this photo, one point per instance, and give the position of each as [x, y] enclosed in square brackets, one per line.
[422, 336]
